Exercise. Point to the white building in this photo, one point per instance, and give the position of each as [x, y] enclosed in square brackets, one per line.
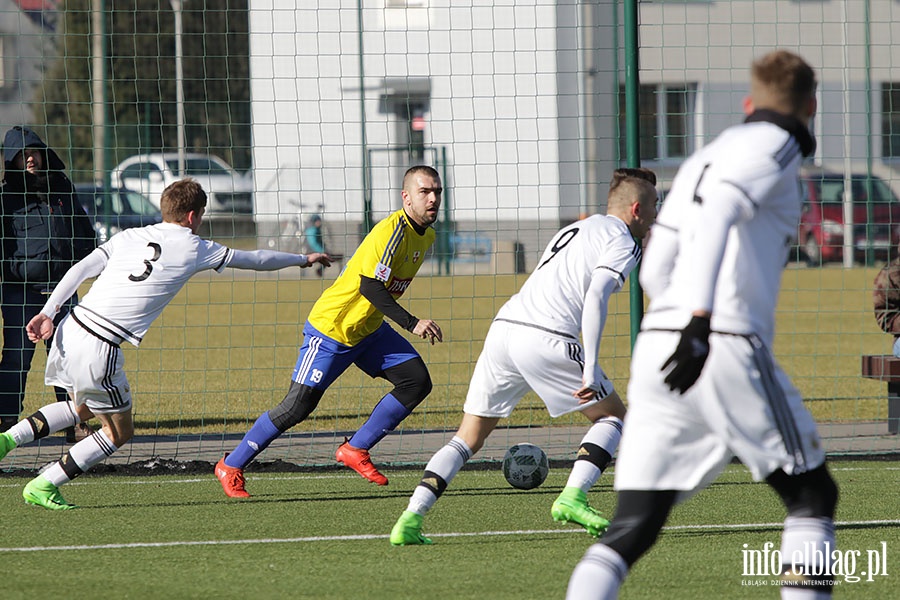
[26, 49]
[521, 98]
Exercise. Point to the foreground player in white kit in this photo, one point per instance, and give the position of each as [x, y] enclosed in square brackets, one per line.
[138, 273]
[713, 271]
[533, 345]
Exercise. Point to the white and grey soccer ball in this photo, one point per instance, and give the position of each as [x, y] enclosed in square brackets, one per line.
[525, 466]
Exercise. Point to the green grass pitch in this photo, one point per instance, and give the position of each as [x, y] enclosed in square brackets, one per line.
[223, 351]
[324, 535]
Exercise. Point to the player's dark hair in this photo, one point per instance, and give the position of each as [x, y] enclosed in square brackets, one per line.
[415, 170]
[623, 173]
[180, 198]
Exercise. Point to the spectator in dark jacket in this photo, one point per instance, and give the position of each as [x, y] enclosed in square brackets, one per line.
[886, 298]
[44, 231]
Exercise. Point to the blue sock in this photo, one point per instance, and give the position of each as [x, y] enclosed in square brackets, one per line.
[255, 441]
[388, 413]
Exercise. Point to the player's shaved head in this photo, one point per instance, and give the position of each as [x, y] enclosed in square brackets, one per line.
[627, 190]
[623, 173]
[180, 198]
[419, 169]
[632, 198]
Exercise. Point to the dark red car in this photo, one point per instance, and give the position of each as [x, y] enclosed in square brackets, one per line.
[876, 224]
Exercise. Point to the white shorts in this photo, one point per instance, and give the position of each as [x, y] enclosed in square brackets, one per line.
[518, 358]
[89, 368]
[742, 405]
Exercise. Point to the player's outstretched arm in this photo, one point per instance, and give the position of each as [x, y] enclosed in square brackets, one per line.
[273, 260]
[39, 328]
[321, 258]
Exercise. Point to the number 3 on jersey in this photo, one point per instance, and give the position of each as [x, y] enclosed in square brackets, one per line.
[561, 242]
[157, 252]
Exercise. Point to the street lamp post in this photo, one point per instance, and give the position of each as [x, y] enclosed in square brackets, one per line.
[179, 84]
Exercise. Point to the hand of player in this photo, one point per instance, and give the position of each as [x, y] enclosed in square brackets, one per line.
[39, 328]
[690, 355]
[585, 394]
[318, 257]
[428, 330]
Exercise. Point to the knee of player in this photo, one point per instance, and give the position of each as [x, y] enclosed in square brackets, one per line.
[614, 406]
[300, 401]
[425, 386]
[639, 517]
[121, 434]
[412, 382]
[810, 494]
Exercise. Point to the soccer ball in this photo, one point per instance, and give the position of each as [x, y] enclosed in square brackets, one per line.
[525, 466]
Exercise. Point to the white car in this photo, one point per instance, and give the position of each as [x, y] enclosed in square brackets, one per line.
[228, 191]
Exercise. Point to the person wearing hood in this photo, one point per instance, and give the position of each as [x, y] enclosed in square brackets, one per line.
[43, 231]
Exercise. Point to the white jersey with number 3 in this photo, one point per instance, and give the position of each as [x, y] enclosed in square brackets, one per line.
[553, 296]
[145, 268]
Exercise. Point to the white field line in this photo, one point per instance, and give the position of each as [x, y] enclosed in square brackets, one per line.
[162, 479]
[365, 537]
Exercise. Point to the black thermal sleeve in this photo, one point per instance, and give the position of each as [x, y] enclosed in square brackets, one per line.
[375, 292]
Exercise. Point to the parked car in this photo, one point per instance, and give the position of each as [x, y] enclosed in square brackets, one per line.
[112, 210]
[228, 192]
[821, 232]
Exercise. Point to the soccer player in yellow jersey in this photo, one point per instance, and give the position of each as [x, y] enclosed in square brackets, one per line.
[346, 326]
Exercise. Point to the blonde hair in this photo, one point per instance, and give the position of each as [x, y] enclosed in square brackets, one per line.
[782, 81]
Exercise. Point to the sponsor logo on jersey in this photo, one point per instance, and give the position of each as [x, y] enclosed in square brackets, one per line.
[382, 272]
[398, 286]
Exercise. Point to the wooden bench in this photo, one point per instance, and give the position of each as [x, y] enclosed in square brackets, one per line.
[886, 367]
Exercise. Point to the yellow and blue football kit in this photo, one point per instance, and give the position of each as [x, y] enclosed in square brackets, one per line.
[392, 253]
[344, 327]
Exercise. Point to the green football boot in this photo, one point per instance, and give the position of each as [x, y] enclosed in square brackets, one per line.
[7, 443]
[407, 531]
[41, 492]
[572, 507]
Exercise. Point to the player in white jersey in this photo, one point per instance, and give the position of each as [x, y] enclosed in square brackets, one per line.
[138, 273]
[533, 345]
[704, 385]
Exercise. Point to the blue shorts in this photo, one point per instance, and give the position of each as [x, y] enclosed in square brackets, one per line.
[322, 359]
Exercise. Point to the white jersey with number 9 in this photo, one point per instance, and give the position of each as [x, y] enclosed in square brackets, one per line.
[553, 296]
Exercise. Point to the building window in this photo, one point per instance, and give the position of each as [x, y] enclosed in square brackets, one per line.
[890, 119]
[5, 61]
[666, 120]
[404, 3]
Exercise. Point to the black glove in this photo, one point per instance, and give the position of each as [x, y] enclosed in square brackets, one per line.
[689, 356]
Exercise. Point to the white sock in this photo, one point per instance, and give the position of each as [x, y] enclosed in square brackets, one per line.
[812, 540]
[605, 433]
[445, 464]
[85, 454]
[598, 575]
[56, 415]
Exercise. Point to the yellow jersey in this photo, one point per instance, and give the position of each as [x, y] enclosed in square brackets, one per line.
[392, 253]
